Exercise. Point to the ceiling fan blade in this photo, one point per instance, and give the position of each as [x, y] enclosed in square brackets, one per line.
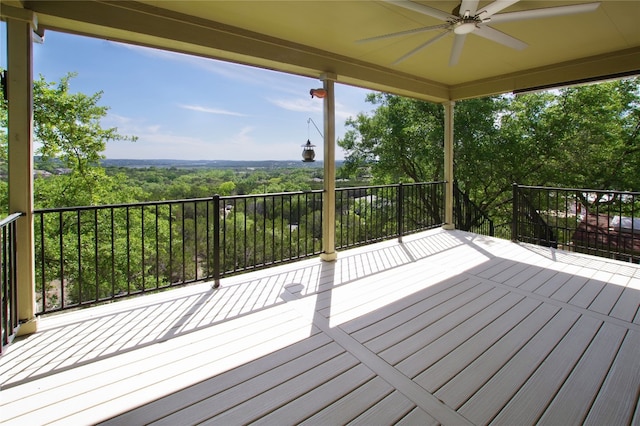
[422, 46]
[456, 50]
[495, 7]
[500, 37]
[420, 8]
[469, 6]
[401, 33]
[546, 12]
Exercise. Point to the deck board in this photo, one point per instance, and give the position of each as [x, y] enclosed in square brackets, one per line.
[180, 369]
[573, 401]
[626, 307]
[467, 379]
[445, 344]
[341, 368]
[530, 401]
[417, 416]
[437, 374]
[345, 395]
[367, 327]
[613, 405]
[570, 288]
[299, 357]
[606, 299]
[442, 326]
[588, 293]
[446, 328]
[413, 329]
[352, 405]
[500, 388]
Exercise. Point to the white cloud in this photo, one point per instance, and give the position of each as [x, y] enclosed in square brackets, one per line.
[298, 105]
[243, 136]
[312, 106]
[230, 70]
[211, 110]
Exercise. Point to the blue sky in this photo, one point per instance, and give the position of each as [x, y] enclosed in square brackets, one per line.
[186, 107]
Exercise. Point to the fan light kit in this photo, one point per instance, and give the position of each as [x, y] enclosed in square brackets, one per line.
[464, 27]
[467, 18]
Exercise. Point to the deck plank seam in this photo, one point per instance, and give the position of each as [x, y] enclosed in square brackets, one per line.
[226, 381]
[411, 390]
[218, 332]
[564, 305]
[515, 348]
[558, 405]
[604, 379]
[440, 356]
[560, 347]
[451, 319]
[515, 359]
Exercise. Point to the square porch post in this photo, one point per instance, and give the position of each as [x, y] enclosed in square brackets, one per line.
[448, 165]
[20, 26]
[329, 196]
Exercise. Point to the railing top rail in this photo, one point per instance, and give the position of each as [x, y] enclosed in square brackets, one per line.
[227, 197]
[163, 202]
[271, 194]
[358, 188]
[11, 218]
[435, 182]
[607, 191]
[349, 188]
[109, 206]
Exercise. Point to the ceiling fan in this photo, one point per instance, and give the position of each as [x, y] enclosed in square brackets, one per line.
[468, 18]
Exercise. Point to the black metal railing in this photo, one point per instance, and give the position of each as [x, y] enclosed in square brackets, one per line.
[368, 214]
[604, 223]
[259, 231]
[87, 255]
[8, 282]
[467, 216]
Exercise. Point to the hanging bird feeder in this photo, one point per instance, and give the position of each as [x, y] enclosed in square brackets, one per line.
[308, 154]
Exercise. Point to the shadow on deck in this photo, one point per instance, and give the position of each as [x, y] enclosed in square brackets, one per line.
[448, 327]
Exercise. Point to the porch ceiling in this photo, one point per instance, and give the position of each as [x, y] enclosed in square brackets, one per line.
[315, 37]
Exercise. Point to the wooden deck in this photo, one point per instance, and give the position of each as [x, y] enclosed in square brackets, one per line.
[448, 327]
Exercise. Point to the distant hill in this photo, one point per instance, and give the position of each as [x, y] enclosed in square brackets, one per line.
[189, 164]
[209, 164]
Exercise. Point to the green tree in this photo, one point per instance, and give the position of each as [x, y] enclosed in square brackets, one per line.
[67, 128]
[401, 141]
[82, 255]
[597, 128]
[585, 136]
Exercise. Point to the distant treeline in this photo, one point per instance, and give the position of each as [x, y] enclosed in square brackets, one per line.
[52, 164]
[210, 164]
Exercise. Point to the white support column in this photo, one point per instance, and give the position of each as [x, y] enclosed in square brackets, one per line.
[448, 165]
[20, 113]
[329, 197]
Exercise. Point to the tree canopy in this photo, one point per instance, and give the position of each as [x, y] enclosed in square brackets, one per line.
[583, 136]
[67, 130]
